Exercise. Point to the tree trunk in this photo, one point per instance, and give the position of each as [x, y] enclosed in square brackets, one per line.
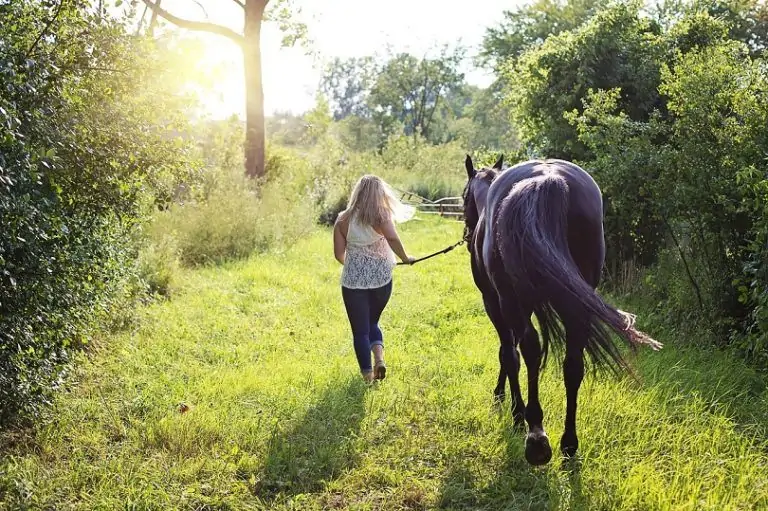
[255, 137]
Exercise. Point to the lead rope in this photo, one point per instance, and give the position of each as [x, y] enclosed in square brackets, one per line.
[443, 251]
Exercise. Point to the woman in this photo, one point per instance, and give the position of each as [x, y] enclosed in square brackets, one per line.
[365, 241]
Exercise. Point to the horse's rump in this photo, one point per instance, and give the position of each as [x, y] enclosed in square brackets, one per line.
[531, 237]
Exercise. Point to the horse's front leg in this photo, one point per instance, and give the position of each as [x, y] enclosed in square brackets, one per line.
[511, 366]
[509, 360]
[498, 392]
[537, 448]
[573, 374]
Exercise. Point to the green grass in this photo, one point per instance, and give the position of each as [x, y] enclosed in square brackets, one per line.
[278, 417]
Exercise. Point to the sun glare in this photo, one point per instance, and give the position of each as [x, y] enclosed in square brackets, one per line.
[290, 77]
[226, 94]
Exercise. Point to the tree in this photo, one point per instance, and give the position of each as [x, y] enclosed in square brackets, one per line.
[617, 48]
[531, 25]
[347, 83]
[747, 20]
[410, 90]
[318, 120]
[490, 120]
[254, 13]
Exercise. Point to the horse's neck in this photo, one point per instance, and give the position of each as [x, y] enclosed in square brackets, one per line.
[481, 200]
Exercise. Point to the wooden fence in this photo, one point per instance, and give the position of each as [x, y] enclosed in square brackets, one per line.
[450, 207]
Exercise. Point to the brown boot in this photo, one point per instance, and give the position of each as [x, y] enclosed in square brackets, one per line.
[380, 370]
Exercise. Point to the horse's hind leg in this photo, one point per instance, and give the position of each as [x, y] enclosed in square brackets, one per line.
[511, 365]
[588, 253]
[573, 374]
[537, 448]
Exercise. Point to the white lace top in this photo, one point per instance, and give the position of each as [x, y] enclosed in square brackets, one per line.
[369, 260]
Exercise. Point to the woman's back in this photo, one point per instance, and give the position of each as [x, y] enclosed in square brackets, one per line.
[369, 259]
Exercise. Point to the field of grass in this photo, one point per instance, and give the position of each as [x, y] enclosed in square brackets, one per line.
[259, 355]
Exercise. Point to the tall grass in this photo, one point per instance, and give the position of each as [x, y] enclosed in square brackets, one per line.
[243, 393]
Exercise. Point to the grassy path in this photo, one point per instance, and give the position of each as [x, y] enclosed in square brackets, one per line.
[279, 419]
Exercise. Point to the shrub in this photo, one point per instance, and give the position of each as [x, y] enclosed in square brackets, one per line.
[234, 217]
[76, 158]
[158, 266]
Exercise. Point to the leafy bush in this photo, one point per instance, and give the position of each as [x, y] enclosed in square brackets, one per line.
[670, 119]
[232, 217]
[614, 49]
[689, 187]
[76, 159]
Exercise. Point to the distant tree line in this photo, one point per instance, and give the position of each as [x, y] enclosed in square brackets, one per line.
[371, 99]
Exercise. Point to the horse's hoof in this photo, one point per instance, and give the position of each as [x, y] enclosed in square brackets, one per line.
[569, 451]
[569, 446]
[537, 448]
[519, 421]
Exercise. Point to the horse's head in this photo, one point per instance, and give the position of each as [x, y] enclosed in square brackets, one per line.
[475, 192]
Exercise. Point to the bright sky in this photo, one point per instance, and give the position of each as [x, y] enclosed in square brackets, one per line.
[343, 28]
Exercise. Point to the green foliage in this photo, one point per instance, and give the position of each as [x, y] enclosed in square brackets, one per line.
[410, 90]
[85, 117]
[688, 187]
[485, 121]
[158, 265]
[747, 20]
[318, 121]
[278, 418]
[372, 101]
[615, 49]
[530, 25]
[413, 165]
[668, 112]
[347, 84]
[235, 216]
[358, 133]
[286, 129]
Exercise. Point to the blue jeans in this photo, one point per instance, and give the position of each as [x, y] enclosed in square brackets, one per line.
[364, 308]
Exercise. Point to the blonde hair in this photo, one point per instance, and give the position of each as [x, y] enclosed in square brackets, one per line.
[373, 202]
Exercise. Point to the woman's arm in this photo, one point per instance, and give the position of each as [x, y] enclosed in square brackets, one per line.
[390, 233]
[339, 242]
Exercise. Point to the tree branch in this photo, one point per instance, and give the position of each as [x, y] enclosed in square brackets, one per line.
[695, 284]
[141, 20]
[199, 26]
[202, 8]
[240, 3]
[45, 29]
[431, 113]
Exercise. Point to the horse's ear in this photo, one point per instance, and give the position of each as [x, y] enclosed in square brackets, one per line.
[499, 162]
[470, 167]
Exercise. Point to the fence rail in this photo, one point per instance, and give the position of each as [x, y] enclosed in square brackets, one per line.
[450, 207]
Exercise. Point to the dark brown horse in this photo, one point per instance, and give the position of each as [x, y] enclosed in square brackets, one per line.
[535, 235]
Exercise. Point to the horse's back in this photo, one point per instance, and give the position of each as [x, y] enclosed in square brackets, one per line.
[585, 209]
[585, 199]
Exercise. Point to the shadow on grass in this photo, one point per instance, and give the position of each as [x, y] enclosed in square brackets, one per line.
[317, 448]
[728, 386]
[685, 369]
[516, 485]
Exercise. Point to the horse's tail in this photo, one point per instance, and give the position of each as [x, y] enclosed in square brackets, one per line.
[532, 230]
